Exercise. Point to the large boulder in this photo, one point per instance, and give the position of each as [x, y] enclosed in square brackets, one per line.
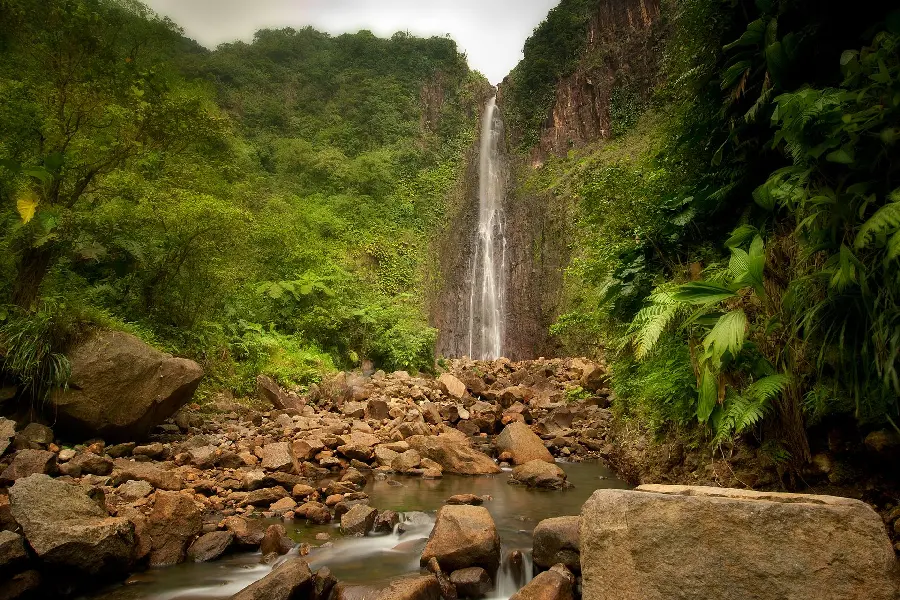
[291, 580]
[419, 587]
[210, 546]
[670, 542]
[67, 529]
[463, 536]
[557, 541]
[120, 387]
[174, 522]
[454, 455]
[268, 390]
[522, 443]
[540, 474]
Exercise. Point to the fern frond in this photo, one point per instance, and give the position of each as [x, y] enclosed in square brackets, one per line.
[885, 220]
[727, 335]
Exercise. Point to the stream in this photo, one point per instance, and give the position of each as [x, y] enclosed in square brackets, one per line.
[376, 560]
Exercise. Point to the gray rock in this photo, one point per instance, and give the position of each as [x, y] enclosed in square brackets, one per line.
[12, 552]
[67, 528]
[471, 582]
[463, 536]
[358, 520]
[130, 491]
[557, 541]
[277, 457]
[679, 542]
[29, 462]
[164, 479]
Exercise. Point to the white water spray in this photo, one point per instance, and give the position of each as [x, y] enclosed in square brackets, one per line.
[488, 269]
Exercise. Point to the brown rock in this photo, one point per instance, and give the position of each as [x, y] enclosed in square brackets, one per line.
[423, 587]
[12, 552]
[164, 479]
[277, 457]
[92, 464]
[264, 496]
[174, 522]
[540, 474]
[276, 540]
[670, 542]
[210, 546]
[594, 378]
[549, 585]
[29, 462]
[522, 443]
[323, 583]
[377, 409]
[454, 456]
[471, 582]
[248, 533]
[269, 391]
[109, 367]
[291, 580]
[406, 461]
[557, 541]
[463, 536]
[7, 433]
[386, 521]
[358, 520]
[452, 386]
[465, 499]
[22, 586]
[448, 590]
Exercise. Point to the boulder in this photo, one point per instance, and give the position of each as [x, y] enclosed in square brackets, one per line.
[248, 534]
[453, 455]
[270, 392]
[174, 522]
[465, 499]
[67, 529]
[452, 386]
[448, 590]
[594, 378]
[290, 580]
[34, 436]
[557, 541]
[131, 491]
[88, 463]
[463, 536]
[670, 542]
[358, 520]
[276, 540]
[210, 546]
[540, 474]
[406, 461]
[29, 462]
[556, 584]
[471, 582]
[377, 409]
[386, 521]
[421, 587]
[522, 443]
[120, 388]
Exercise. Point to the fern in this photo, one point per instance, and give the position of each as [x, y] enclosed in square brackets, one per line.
[886, 220]
[727, 335]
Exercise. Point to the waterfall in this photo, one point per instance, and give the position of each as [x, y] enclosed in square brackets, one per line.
[488, 268]
[515, 571]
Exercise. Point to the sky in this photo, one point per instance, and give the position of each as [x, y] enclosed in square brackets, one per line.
[490, 32]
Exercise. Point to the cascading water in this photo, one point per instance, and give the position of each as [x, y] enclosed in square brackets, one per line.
[488, 269]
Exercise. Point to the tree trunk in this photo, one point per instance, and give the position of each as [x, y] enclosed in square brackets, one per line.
[32, 269]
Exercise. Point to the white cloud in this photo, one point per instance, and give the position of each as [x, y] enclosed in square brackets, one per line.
[490, 32]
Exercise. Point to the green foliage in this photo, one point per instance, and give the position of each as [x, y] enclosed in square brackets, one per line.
[32, 345]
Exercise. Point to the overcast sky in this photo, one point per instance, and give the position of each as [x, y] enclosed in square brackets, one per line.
[490, 32]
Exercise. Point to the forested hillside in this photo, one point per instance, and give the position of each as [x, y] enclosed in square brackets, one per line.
[736, 242]
[264, 208]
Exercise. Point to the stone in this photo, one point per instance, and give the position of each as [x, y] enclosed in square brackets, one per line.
[463, 536]
[12, 552]
[465, 499]
[248, 534]
[323, 583]
[131, 491]
[377, 409]
[264, 496]
[540, 474]
[210, 546]
[92, 464]
[29, 462]
[361, 452]
[276, 540]
[174, 522]
[594, 378]
[358, 520]
[270, 392]
[156, 450]
[301, 491]
[406, 461]
[283, 505]
[549, 585]
[671, 542]
[354, 476]
[290, 580]
[422, 587]
[522, 443]
[34, 436]
[451, 386]
[7, 433]
[164, 479]
[453, 455]
[120, 450]
[471, 582]
[386, 521]
[557, 541]
[22, 586]
[120, 388]
[277, 457]
[204, 457]
[448, 590]
[67, 529]
[317, 513]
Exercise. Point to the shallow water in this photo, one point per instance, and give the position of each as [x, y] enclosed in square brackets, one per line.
[378, 559]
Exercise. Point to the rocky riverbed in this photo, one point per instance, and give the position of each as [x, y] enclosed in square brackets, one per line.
[234, 477]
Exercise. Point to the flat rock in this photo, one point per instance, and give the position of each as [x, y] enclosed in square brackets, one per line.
[277, 457]
[549, 585]
[463, 536]
[452, 386]
[164, 479]
[540, 474]
[290, 580]
[66, 528]
[677, 542]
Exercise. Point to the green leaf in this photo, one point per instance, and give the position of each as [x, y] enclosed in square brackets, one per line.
[885, 220]
[841, 156]
[741, 235]
[708, 395]
[701, 292]
[727, 335]
[752, 36]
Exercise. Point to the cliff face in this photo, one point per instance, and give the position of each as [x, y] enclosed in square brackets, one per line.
[617, 69]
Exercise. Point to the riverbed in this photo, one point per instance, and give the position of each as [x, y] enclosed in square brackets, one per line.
[376, 560]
